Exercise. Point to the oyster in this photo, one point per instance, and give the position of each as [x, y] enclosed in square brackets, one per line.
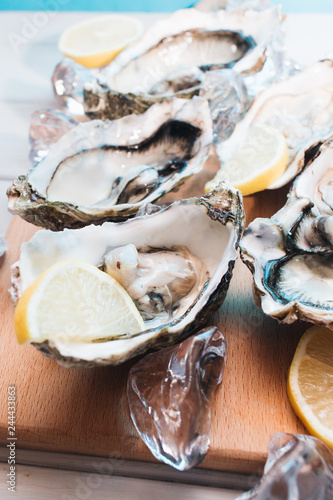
[102, 171]
[291, 254]
[166, 59]
[194, 245]
[301, 108]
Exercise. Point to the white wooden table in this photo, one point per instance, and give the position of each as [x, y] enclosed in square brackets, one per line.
[25, 87]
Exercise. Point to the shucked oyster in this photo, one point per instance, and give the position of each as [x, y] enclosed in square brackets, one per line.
[175, 263]
[106, 170]
[301, 108]
[291, 254]
[171, 58]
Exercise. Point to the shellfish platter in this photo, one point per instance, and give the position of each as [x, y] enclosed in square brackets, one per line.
[84, 410]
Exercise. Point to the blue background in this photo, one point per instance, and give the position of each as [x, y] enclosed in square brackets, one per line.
[148, 5]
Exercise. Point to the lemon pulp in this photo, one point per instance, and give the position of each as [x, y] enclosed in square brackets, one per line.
[98, 41]
[75, 301]
[310, 383]
[259, 161]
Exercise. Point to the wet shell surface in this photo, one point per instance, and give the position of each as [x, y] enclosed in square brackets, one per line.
[198, 237]
[291, 254]
[301, 108]
[173, 55]
[103, 171]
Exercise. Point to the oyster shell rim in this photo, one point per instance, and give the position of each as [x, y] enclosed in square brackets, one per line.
[299, 161]
[34, 207]
[105, 99]
[218, 209]
[293, 310]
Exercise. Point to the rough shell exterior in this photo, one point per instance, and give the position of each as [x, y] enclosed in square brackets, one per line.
[107, 98]
[220, 211]
[300, 233]
[132, 132]
[300, 107]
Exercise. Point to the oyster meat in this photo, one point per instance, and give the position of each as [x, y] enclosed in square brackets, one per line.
[301, 108]
[171, 58]
[291, 254]
[102, 171]
[175, 263]
[157, 280]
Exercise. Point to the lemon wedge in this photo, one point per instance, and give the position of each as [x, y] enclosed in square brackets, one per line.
[98, 41]
[75, 301]
[310, 383]
[257, 163]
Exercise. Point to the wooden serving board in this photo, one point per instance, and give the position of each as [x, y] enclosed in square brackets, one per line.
[85, 411]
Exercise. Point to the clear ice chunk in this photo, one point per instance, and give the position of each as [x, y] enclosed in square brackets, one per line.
[170, 394]
[68, 80]
[298, 467]
[227, 98]
[278, 64]
[46, 128]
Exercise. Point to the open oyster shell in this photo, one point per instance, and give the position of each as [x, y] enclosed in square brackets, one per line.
[291, 254]
[209, 228]
[102, 171]
[172, 56]
[301, 108]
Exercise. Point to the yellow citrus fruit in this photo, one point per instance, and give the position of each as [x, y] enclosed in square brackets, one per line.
[75, 301]
[259, 161]
[310, 383]
[98, 41]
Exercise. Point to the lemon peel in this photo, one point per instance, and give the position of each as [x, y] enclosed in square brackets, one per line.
[258, 162]
[309, 387]
[96, 42]
[75, 301]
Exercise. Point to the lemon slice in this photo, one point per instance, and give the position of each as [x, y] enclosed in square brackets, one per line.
[98, 41]
[75, 301]
[310, 383]
[257, 163]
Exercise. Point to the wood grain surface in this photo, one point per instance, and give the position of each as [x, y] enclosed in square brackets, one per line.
[85, 411]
